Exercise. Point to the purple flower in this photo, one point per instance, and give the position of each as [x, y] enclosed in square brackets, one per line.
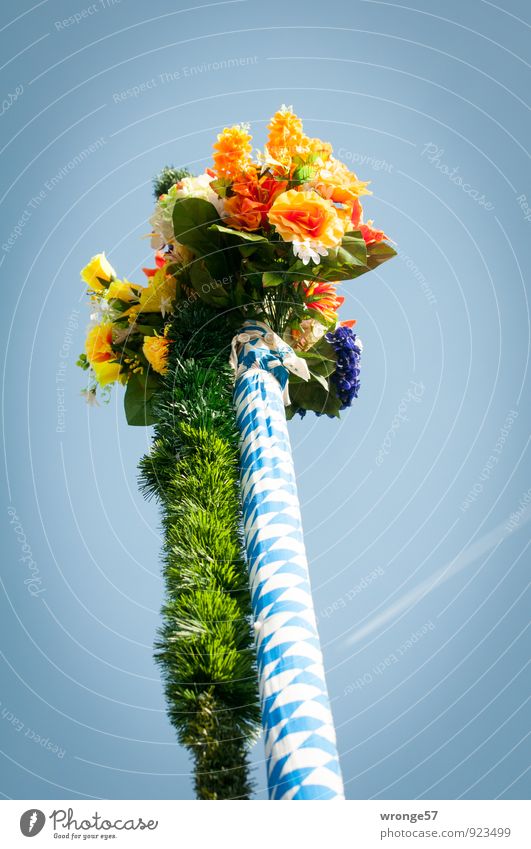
[346, 376]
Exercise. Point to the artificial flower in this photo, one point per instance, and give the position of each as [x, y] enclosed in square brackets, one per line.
[286, 135]
[370, 234]
[90, 397]
[159, 295]
[345, 379]
[322, 298]
[98, 269]
[160, 261]
[308, 250]
[156, 350]
[301, 216]
[251, 200]
[232, 151]
[319, 150]
[123, 291]
[305, 336]
[338, 184]
[98, 344]
[108, 373]
[162, 219]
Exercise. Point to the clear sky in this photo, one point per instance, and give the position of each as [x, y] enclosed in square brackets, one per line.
[418, 570]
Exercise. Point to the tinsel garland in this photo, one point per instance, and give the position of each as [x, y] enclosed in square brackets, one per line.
[206, 647]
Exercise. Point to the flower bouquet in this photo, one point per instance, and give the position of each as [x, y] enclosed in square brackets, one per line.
[236, 331]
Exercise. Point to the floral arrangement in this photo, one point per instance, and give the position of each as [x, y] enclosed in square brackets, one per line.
[262, 243]
[267, 238]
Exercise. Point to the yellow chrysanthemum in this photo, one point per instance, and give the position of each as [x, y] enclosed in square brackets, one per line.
[108, 373]
[156, 350]
[123, 290]
[286, 136]
[98, 267]
[232, 151]
[159, 295]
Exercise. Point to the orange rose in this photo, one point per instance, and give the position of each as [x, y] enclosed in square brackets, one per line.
[98, 345]
[298, 216]
[253, 196]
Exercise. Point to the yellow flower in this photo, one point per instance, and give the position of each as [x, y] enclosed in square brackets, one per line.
[299, 216]
[232, 151]
[286, 136]
[123, 290]
[156, 350]
[98, 345]
[108, 373]
[159, 295]
[99, 268]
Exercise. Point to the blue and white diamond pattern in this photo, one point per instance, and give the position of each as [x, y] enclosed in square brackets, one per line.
[300, 742]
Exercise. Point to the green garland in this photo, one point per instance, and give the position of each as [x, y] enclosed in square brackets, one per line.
[206, 647]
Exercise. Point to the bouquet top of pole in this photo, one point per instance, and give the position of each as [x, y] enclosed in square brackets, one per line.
[265, 238]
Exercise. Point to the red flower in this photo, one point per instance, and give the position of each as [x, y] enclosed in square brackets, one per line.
[160, 260]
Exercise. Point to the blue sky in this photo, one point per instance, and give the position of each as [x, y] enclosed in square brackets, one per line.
[418, 569]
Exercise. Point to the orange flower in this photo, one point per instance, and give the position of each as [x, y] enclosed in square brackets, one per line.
[298, 216]
[318, 148]
[371, 235]
[356, 214]
[323, 298]
[338, 184]
[98, 345]
[232, 151]
[367, 230]
[253, 196]
[286, 135]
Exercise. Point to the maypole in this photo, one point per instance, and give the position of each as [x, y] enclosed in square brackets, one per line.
[236, 331]
[299, 736]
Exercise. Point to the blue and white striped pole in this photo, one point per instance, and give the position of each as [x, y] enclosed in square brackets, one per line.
[300, 741]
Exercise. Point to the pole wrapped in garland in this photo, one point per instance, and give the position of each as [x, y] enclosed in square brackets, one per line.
[300, 741]
[248, 258]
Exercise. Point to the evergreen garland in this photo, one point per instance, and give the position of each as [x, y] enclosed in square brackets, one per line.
[166, 178]
[206, 646]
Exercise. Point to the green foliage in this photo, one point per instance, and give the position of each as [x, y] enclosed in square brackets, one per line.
[167, 178]
[206, 647]
[139, 398]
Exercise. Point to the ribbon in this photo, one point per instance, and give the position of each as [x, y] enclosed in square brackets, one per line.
[257, 346]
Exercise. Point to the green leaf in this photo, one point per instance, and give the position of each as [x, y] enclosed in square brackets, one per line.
[83, 362]
[379, 252]
[302, 174]
[240, 234]
[221, 186]
[352, 251]
[139, 397]
[320, 379]
[192, 225]
[269, 278]
[207, 287]
[313, 396]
